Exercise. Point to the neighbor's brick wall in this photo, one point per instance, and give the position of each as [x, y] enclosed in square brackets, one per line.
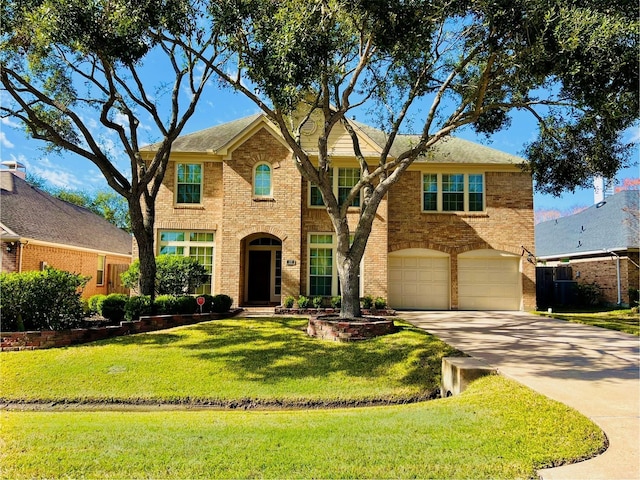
[507, 224]
[603, 272]
[74, 261]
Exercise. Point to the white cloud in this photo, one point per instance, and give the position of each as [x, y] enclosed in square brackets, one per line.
[9, 123]
[4, 141]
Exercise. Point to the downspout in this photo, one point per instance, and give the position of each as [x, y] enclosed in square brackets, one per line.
[21, 249]
[617, 274]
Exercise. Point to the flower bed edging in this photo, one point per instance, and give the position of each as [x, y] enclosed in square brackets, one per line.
[34, 340]
[331, 327]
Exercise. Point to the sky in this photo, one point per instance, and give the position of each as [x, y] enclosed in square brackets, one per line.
[70, 171]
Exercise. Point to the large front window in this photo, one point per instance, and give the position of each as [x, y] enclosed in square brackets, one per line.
[189, 183]
[323, 274]
[342, 183]
[453, 192]
[194, 244]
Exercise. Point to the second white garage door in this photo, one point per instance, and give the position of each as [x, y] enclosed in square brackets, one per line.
[489, 280]
[419, 279]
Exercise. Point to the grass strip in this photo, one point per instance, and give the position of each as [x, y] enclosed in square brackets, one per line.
[496, 429]
[625, 321]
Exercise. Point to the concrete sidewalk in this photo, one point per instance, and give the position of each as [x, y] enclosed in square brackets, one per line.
[593, 370]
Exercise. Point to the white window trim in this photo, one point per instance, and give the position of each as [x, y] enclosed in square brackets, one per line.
[334, 187]
[334, 271]
[439, 199]
[175, 194]
[103, 270]
[187, 244]
[253, 183]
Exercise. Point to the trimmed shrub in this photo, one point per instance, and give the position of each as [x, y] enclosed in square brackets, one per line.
[95, 303]
[336, 302]
[185, 305]
[588, 294]
[288, 302]
[317, 302]
[221, 303]
[165, 305]
[46, 300]
[380, 303]
[367, 301]
[113, 307]
[303, 302]
[137, 307]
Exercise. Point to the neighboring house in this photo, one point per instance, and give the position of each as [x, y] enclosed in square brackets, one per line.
[600, 244]
[37, 229]
[452, 234]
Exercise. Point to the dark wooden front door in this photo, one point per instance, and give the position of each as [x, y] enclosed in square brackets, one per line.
[259, 276]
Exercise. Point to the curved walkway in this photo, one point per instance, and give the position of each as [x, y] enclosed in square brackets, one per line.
[593, 370]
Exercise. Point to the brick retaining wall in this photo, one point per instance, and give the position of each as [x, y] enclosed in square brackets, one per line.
[34, 340]
[332, 328]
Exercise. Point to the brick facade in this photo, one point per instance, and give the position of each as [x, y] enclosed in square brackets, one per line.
[603, 272]
[230, 209]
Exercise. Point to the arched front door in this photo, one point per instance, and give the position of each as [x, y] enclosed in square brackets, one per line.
[264, 270]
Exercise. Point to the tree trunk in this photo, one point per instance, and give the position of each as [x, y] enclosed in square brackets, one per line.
[142, 222]
[348, 271]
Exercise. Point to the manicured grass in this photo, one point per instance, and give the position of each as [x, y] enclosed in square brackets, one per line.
[496, 429]
[620, 320]
[230, 362]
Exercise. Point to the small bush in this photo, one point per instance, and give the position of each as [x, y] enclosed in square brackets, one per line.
[165, 304]
[380, 303]
[588, 294]
[336, 302]
[137, 307]
[303, 302]
[95, 303]
[288, 302]
[634, 297]
[367, 301]
[185, 305]
[317, 302]
[221, 303]
[113, 307]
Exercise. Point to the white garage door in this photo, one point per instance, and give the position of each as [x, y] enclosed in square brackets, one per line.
[419, 279]
[489, 280]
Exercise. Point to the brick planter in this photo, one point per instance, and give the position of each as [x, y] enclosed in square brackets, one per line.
[330, 327]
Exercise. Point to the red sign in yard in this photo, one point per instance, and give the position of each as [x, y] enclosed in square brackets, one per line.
[200, 301]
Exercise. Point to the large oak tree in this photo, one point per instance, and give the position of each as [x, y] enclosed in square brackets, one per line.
[434, 67]
[74, 73]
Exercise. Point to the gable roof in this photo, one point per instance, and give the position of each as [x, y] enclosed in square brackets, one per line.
[610, 225]
[450, 150]
[28, 212]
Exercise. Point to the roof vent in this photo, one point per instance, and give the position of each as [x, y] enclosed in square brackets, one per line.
[17, 168]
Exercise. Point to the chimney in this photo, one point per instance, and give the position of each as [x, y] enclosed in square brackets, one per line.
[17, 168]
[598, 189]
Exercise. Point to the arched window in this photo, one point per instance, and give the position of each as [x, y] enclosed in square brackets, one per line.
[262, 180]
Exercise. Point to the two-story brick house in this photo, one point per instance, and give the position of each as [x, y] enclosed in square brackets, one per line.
[452, 234]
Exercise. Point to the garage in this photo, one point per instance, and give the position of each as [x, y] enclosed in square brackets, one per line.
[489, 280]
[419, 279]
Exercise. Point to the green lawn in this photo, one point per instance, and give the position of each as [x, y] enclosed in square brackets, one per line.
[496, 429]
[621, 320]
[230, 361]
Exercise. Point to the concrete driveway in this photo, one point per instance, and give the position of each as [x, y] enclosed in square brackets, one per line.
[593, 370]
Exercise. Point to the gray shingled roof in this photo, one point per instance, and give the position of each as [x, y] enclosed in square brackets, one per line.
[31, 213]
[610, 226]
[449, 150]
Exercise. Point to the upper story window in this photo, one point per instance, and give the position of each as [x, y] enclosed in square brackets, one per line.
[453, 192]
[342, 183]
[189, 183]
[262, 184]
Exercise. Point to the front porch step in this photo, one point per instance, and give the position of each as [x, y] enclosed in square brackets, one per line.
[256, 312]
